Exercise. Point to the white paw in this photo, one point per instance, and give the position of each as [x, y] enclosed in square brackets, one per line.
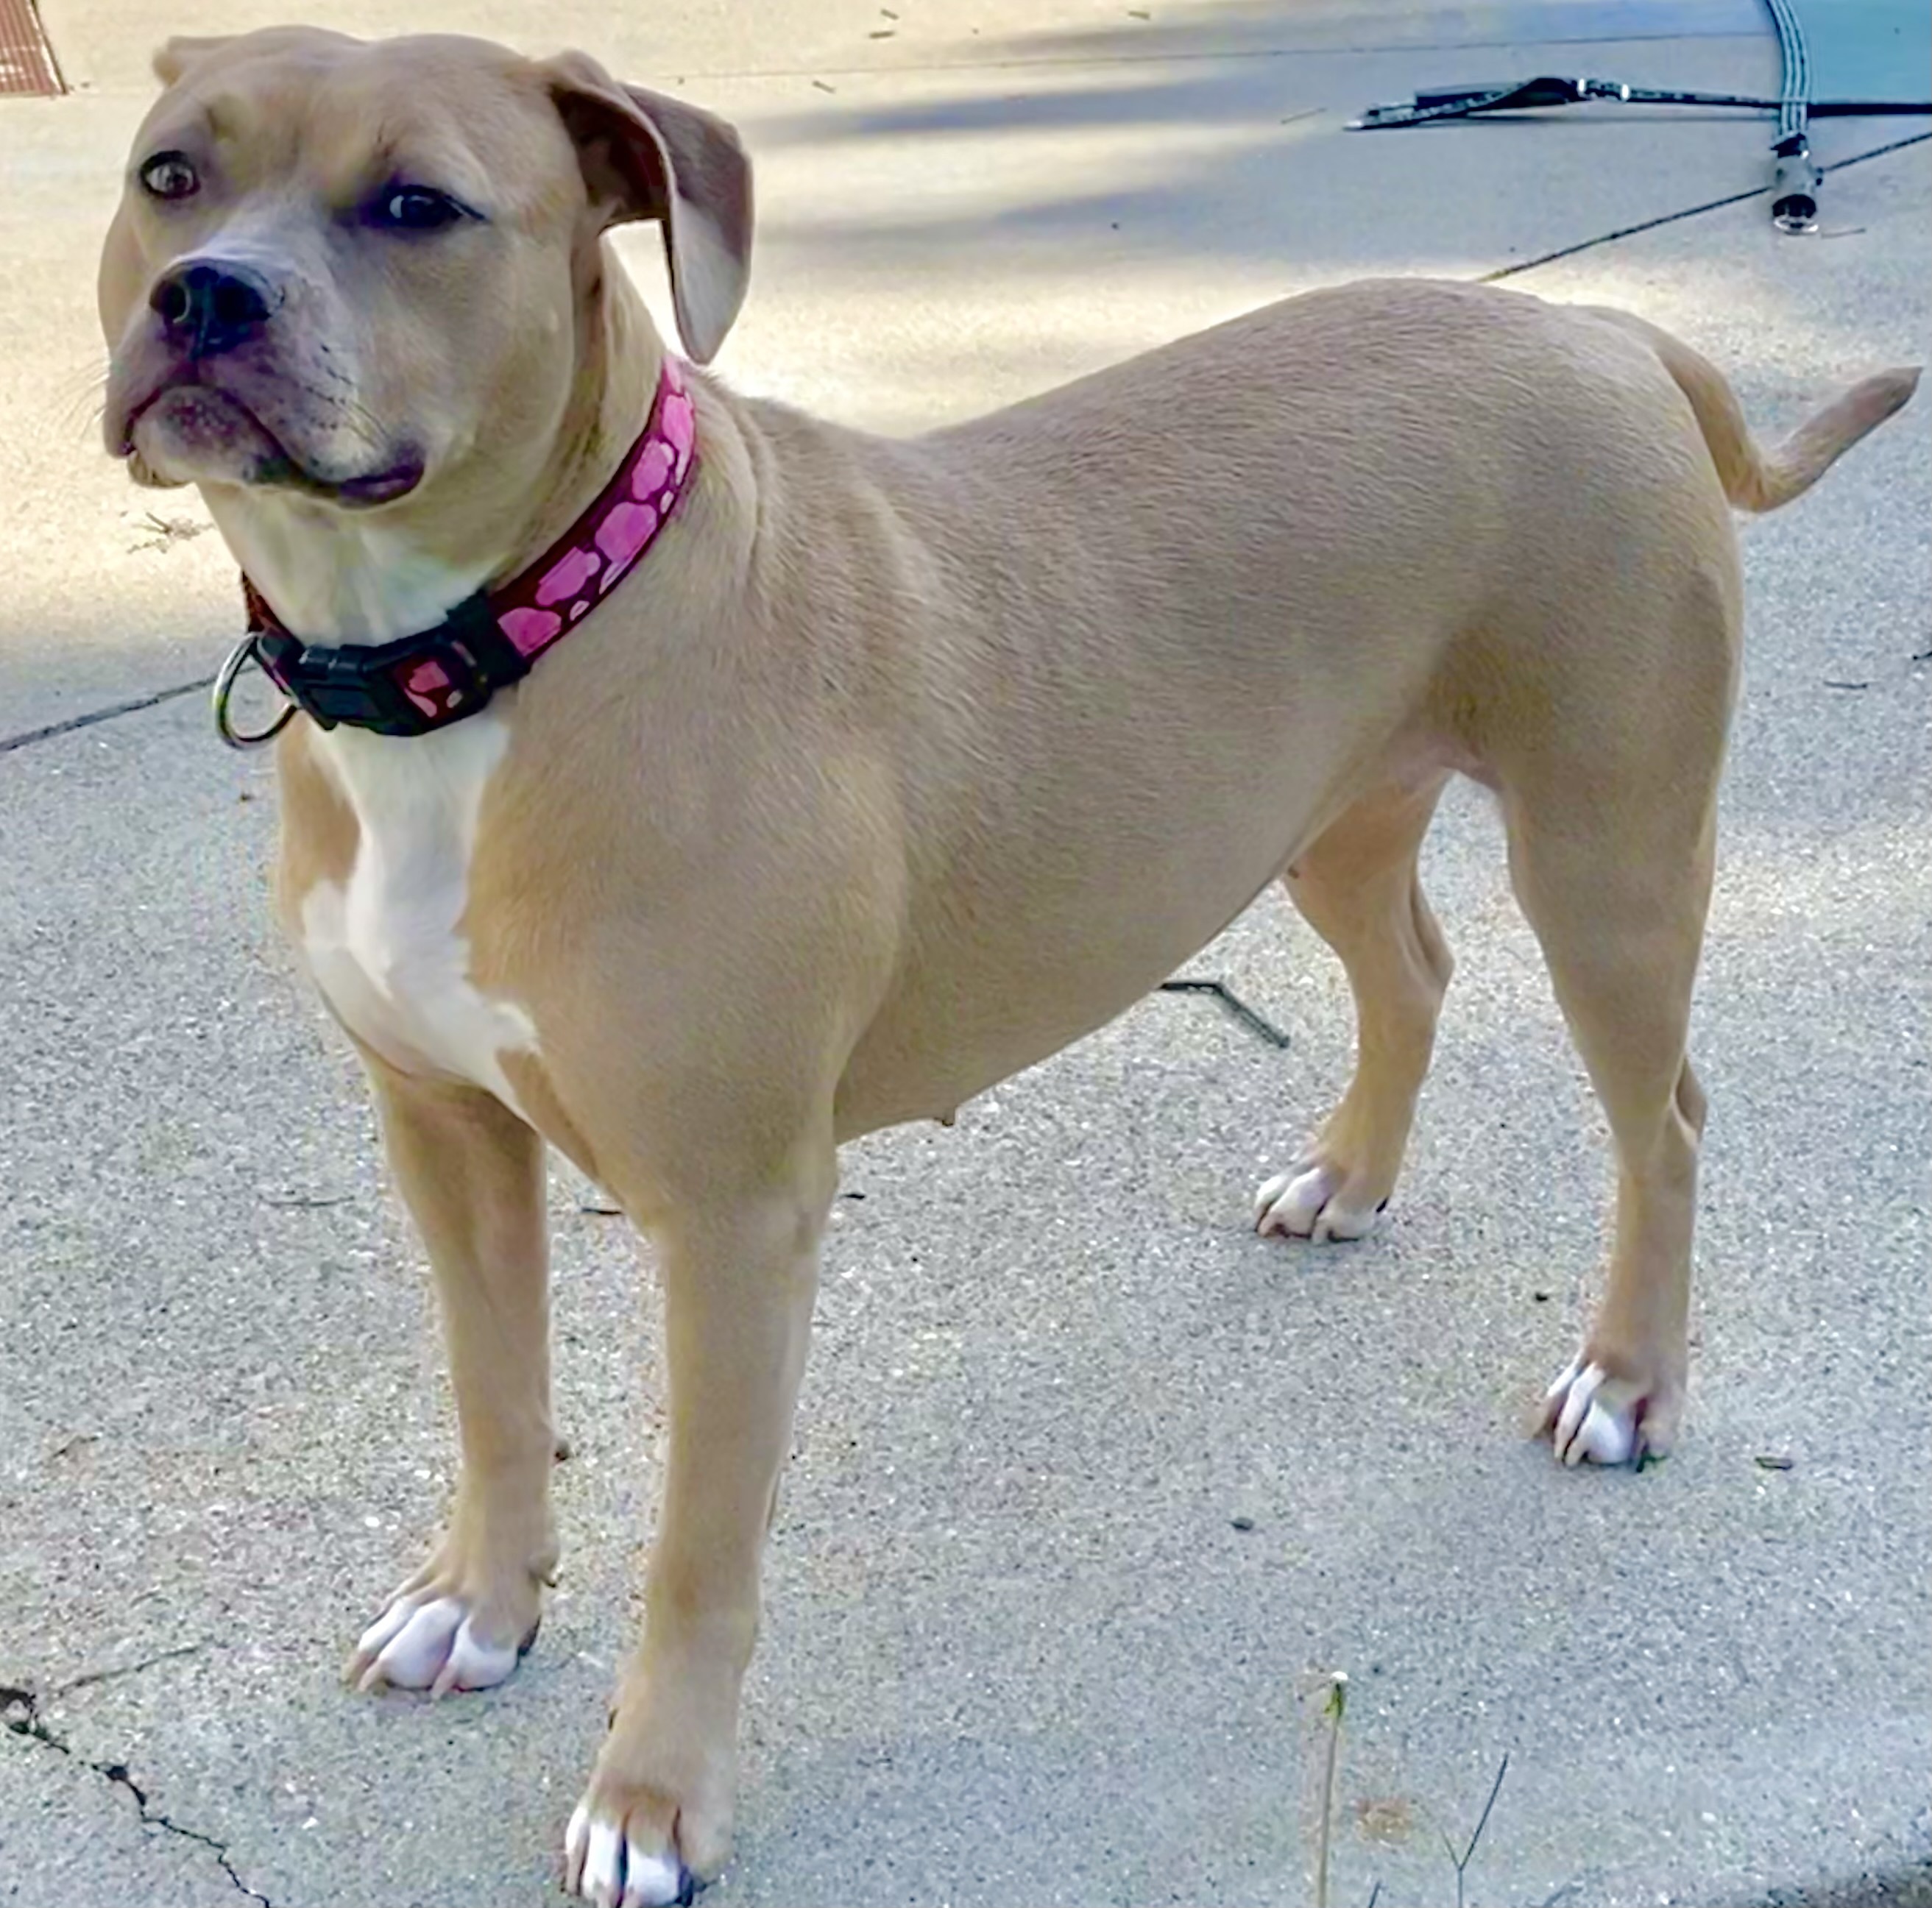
[429, 1642]
[1302, 1202]
[603, 1865]
[1591, 1417]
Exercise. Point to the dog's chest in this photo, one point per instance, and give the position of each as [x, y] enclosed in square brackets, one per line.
[390, 947]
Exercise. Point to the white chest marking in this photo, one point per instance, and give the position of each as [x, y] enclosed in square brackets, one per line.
[388, 949]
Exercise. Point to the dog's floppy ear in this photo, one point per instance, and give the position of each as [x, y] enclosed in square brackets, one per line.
[182, 52]
[645, 156]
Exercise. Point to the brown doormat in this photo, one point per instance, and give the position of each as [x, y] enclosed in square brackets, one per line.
[26, 61]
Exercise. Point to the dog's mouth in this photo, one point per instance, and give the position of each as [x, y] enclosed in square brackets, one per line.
[189, 432]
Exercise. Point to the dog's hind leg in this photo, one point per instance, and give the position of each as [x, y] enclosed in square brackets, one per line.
[472, 1175]
[1357, 887]
[1612, 816]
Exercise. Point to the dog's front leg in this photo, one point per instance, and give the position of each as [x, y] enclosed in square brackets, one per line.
[740, 1271]
[472, 1175]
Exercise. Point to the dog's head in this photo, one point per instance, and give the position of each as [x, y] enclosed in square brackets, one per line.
[345, 267]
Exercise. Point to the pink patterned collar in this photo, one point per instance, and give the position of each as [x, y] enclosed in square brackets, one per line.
[426, 682]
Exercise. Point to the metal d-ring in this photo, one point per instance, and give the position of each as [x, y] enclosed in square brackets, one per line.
[243, 653]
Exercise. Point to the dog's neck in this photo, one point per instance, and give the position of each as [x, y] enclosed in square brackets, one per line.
[346, 576]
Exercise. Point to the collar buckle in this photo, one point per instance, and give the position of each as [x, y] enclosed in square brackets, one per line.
[406, 687]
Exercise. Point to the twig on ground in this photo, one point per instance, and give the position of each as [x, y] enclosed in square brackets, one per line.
[1255, 1023]
[1333, 1708]
[1462, 1864]
[126, 1669]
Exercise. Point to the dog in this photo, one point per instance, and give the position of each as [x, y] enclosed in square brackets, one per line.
[690, 785]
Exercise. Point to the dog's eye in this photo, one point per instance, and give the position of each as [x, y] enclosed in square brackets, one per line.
[415, 208]
[169, 175]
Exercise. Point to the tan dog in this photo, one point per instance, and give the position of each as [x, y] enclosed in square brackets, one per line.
[756, 858]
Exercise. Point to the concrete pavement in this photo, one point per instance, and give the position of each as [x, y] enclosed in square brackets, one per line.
[1018, 1650]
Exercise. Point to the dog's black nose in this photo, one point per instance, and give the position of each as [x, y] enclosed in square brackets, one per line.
[212, 308]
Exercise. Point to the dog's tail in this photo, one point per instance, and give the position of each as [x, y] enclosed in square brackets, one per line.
[1753, 480]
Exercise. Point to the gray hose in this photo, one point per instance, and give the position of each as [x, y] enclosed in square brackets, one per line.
[1794, 185]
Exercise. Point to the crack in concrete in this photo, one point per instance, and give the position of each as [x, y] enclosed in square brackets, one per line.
[134, 704]
[1688, 212]
[20, 1711]
[93, 1676]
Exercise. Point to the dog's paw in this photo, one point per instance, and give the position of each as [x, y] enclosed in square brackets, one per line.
[438, 1643]
[654, 1823]
[466, 1619]
[1316, 1199]
[624, 1860]
[1590, 1417]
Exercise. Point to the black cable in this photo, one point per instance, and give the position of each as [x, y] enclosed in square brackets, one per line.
[1466, 102]
[1796, 175]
